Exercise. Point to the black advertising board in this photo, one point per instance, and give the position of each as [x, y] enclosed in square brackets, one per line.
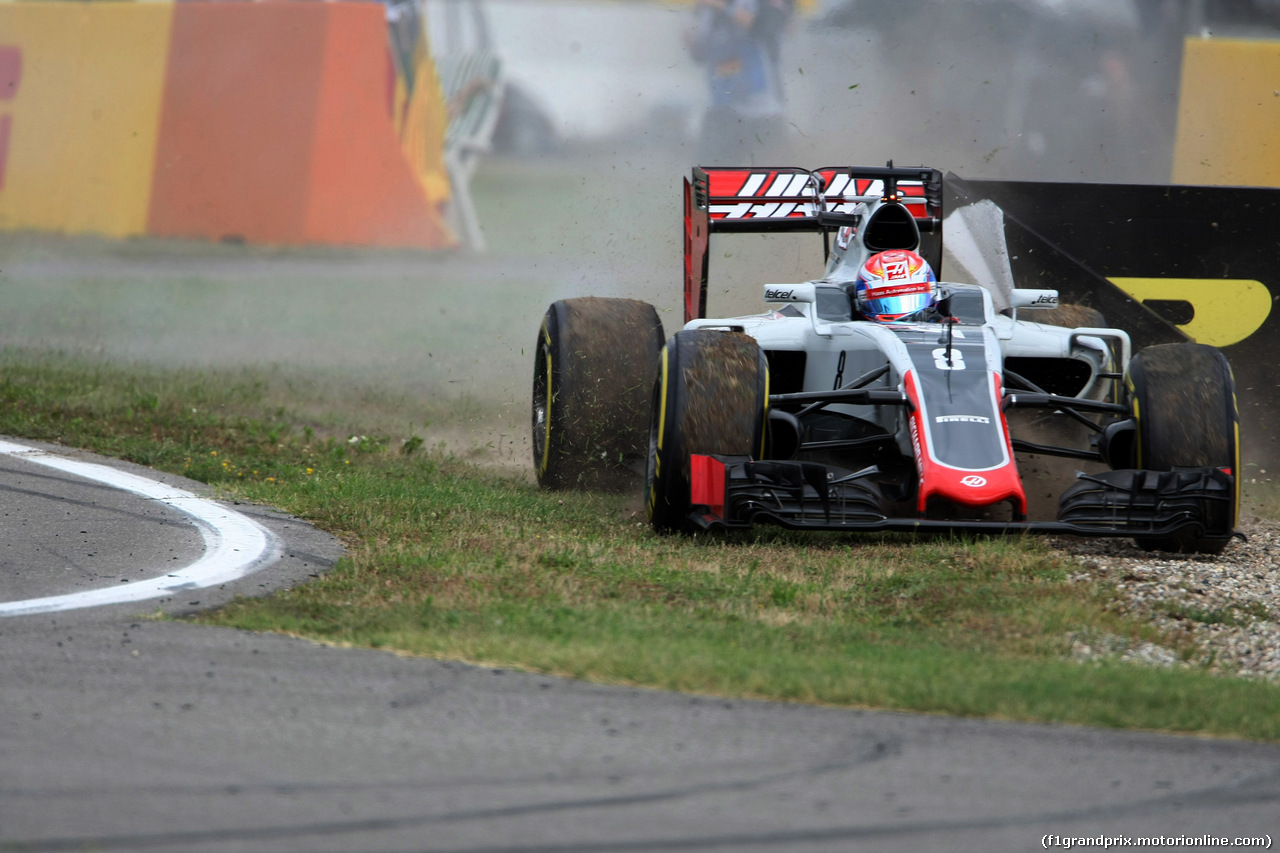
[1164, 263]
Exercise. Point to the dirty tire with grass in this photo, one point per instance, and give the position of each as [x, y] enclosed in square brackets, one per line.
[593, 371]
[710, 397]
[1183, 399]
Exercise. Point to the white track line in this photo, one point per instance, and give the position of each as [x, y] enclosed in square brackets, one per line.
[234, 544]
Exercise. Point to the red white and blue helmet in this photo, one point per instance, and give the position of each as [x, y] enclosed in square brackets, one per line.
[895, 284]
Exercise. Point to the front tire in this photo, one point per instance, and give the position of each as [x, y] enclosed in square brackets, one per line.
[594, 365]
[711, 397]
[1183, 399]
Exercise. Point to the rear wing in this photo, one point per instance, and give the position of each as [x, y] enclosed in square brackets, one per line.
[777, 200]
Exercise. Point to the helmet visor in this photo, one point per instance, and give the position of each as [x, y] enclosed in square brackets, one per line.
[894, 301]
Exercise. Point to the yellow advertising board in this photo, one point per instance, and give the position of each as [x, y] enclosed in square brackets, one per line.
[81, 114]
[1229, 114]
[269, 122]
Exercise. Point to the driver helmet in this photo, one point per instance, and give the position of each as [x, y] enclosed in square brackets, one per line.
[894, 284]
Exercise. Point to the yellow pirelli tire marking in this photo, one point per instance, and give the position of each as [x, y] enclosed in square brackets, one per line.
[546, 419]
[662, 416]
[651, 499]
[1235, 470]
[764, 415]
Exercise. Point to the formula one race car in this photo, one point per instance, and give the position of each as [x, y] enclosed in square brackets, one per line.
[878, 398]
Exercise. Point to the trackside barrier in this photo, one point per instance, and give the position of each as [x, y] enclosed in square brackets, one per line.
[473, 89]
[278, 123]
[474, 85]
[418, 107]
[82, 86]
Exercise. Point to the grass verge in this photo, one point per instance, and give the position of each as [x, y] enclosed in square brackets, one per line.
[453, 560]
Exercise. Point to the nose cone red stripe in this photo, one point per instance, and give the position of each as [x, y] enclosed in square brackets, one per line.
[975, 488]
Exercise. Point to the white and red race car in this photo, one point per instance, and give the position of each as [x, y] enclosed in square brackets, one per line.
[811, 416]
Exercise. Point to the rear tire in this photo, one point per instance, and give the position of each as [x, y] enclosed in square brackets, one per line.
[593, 369]
[711, 396]
[1183, 399]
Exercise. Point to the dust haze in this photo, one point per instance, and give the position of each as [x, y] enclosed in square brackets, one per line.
[582, 195]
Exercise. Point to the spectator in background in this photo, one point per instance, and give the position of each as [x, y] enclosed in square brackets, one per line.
[772, 22]
[739, 43]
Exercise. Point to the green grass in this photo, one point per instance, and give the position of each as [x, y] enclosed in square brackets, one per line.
[452, 559]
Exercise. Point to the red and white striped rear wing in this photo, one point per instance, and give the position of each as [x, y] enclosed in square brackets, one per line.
[773, 200]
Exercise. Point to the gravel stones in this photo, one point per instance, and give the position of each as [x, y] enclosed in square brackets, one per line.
[1220, 612]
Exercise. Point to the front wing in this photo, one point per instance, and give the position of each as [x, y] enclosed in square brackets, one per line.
[737, 492]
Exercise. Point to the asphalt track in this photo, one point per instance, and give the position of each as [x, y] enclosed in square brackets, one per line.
[123, 732]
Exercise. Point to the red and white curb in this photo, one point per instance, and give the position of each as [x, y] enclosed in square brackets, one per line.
[235, 545]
